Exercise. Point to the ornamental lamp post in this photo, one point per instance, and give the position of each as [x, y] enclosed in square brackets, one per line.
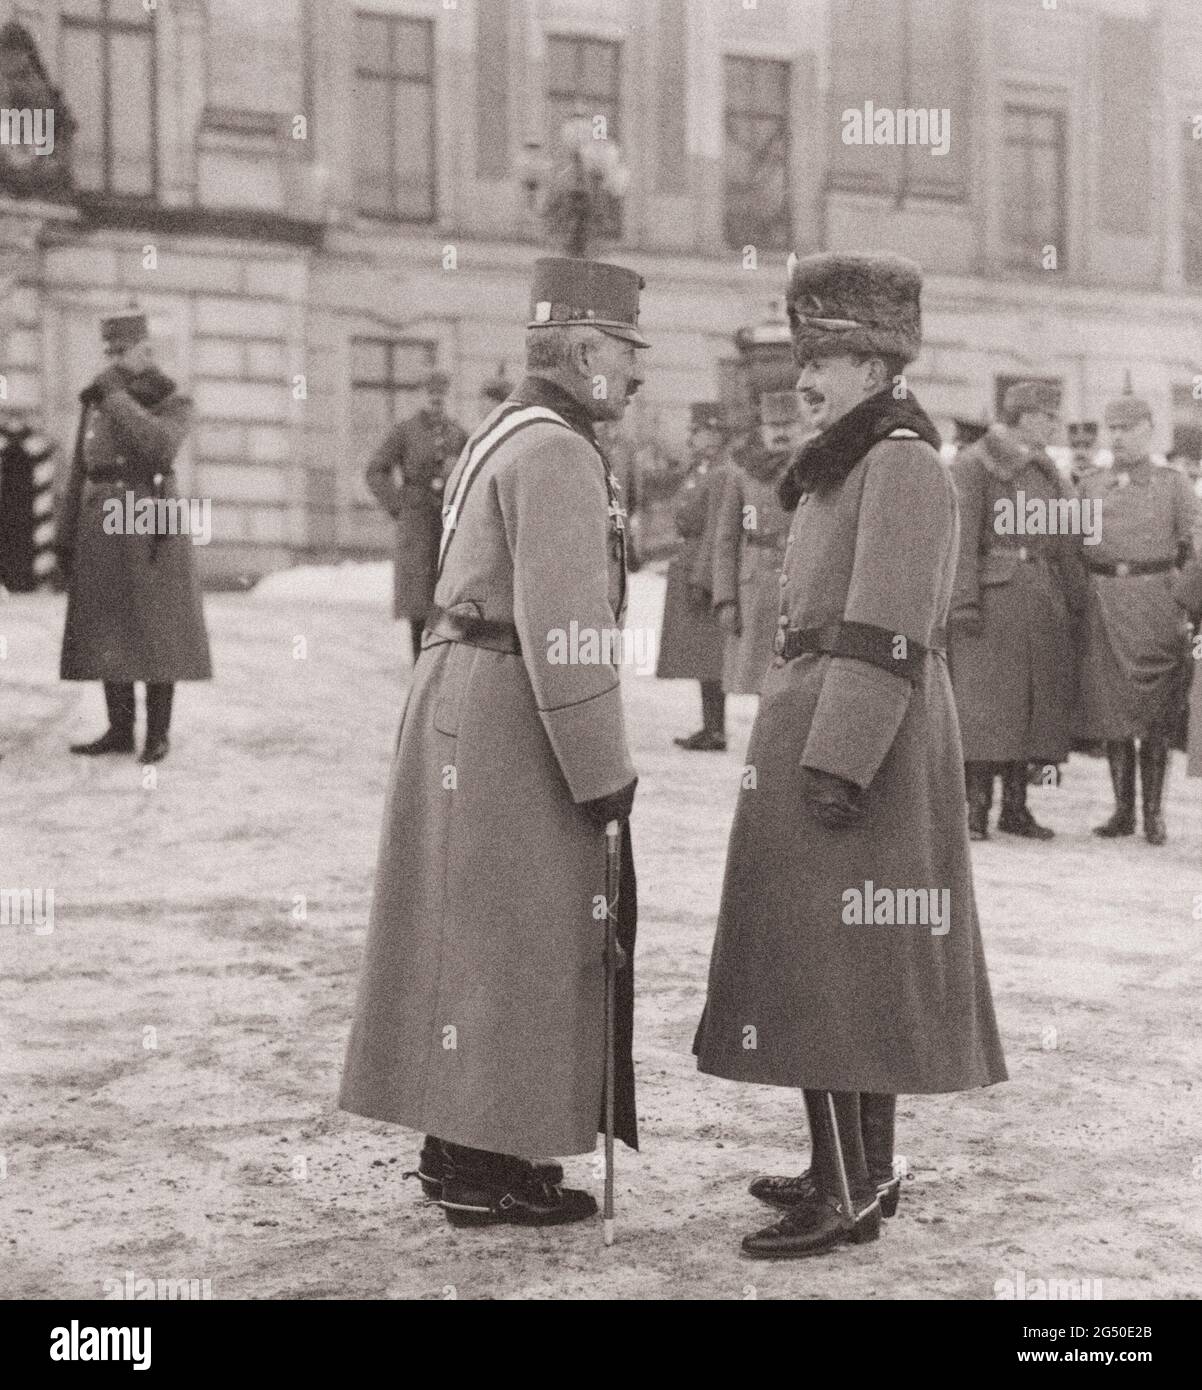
[581, 191]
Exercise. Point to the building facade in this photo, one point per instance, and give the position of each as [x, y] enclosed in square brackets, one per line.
[316, 200]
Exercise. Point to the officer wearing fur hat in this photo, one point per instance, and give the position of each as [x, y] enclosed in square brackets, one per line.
[406, 476]
[749, 542]
[1015, 607]
[1136, 667]
[827, 975]
[480, 1020]
[691, 642]
[134, 610]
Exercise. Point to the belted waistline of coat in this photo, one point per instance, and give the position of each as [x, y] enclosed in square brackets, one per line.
[774, 540]
[861, 642]
[492, 635]
[1030, 554]
[1123, 569]
[106, 477]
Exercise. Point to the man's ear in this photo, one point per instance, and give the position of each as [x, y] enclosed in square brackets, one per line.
[581, 356]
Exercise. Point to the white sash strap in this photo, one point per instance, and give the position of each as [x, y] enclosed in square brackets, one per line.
[478, 451]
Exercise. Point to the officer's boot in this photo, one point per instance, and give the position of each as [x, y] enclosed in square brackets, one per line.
[820, 1222]
[486, 1189]
[119, 736]
[159, 695]
[433, 1166]
[1153, 771]
[1120, 753]
[878, 1115]
[978, 782]
[1015, 818]
[711, 737]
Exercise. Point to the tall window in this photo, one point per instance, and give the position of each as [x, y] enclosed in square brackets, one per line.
[1191, 200]
[585, 76]
[394, 117]
[386, 381]
[107, 60]
[756, 197]
[1033, 186]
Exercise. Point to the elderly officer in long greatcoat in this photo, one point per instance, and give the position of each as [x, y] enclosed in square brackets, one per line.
[1016, 604]
[749, 542]
[691, 642]
[1136, 665]
[134, 610]
[406, 476]
[480, 1018]
[848, 957]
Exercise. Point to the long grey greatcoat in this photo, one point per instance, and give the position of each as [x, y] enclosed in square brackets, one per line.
[406, 476]
[1015, 681]
[134, 609]
[691, 643]
[797, 996]
[1136, 666]
[749, 547]
[481, 1003]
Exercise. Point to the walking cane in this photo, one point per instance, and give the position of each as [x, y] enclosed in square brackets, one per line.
[840, 1165]
[613, 878]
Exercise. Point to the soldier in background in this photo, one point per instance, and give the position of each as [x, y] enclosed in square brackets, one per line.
[134, 610]
[750, 535]
[1136, 667]
[1083, 448]
[968, 432]
[691, 642]
[406, 476]
[1014, 613]
[495, 390]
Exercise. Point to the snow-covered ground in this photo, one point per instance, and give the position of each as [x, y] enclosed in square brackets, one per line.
[169, 1051]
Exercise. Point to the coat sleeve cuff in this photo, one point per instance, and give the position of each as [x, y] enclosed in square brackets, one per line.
[589, 742]
[860, 709]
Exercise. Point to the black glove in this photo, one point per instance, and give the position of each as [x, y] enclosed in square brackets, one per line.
[615, 806]
[833, 801]
[113, 378]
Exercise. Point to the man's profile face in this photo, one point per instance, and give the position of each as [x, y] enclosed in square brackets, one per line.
[615, 372]
[1036, 428]
[136, 358]
[1131, 443]
[784, 437]
[831, 386]
[704, 440]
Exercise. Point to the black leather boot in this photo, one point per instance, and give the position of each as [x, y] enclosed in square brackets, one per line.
[159, 696]
[1121, 756]
[878, 1119]
[978, 782]
[119, 737]
[487, 1189]
[711, 737]
[433, 1165]
[1153, 770]
[1015, 818]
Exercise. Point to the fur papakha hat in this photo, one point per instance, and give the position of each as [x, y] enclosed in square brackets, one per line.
[1022, 396]
[854, 304]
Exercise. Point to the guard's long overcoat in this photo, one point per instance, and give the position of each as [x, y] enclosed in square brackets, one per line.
[691, 643]
[749, 547]
[797, 997]
[1187, 592]
[481, 1003]
[1136, 666]
[130, 617]
[1015, 681]
[407, 475]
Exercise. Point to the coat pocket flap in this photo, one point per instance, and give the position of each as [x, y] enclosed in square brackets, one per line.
[455, 677]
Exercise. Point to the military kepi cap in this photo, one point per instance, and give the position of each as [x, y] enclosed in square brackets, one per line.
[569, 291]
[1127, 411]
[124, 330]
[780, 407]
[1022, 396]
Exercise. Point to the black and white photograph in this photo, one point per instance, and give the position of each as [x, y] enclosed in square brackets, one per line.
[599, 603]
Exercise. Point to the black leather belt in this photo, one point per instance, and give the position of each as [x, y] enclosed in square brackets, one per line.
[108, 476]
[862, 642]
[1028, 554]
[475, 632]
[757, 538]
[1122, 569]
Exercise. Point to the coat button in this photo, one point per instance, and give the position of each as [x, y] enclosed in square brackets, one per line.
[784, 579]
[783, 620]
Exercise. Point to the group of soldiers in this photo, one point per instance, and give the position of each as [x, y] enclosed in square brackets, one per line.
[1070, 623]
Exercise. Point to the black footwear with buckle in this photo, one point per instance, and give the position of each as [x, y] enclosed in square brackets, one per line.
[813, 1227]
[703, 741]
[525, 1201]
[784, 1192]
[111, 741]
[433, 1166]
[1021, 822]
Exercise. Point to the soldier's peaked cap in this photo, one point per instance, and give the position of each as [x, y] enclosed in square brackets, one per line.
[1022, 396]
[569, 291]
[1082, 431]
[124, 330]
[705, 415]
[854, 304]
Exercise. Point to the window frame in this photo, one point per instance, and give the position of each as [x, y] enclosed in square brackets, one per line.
[786, 73]
[1025, 259]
